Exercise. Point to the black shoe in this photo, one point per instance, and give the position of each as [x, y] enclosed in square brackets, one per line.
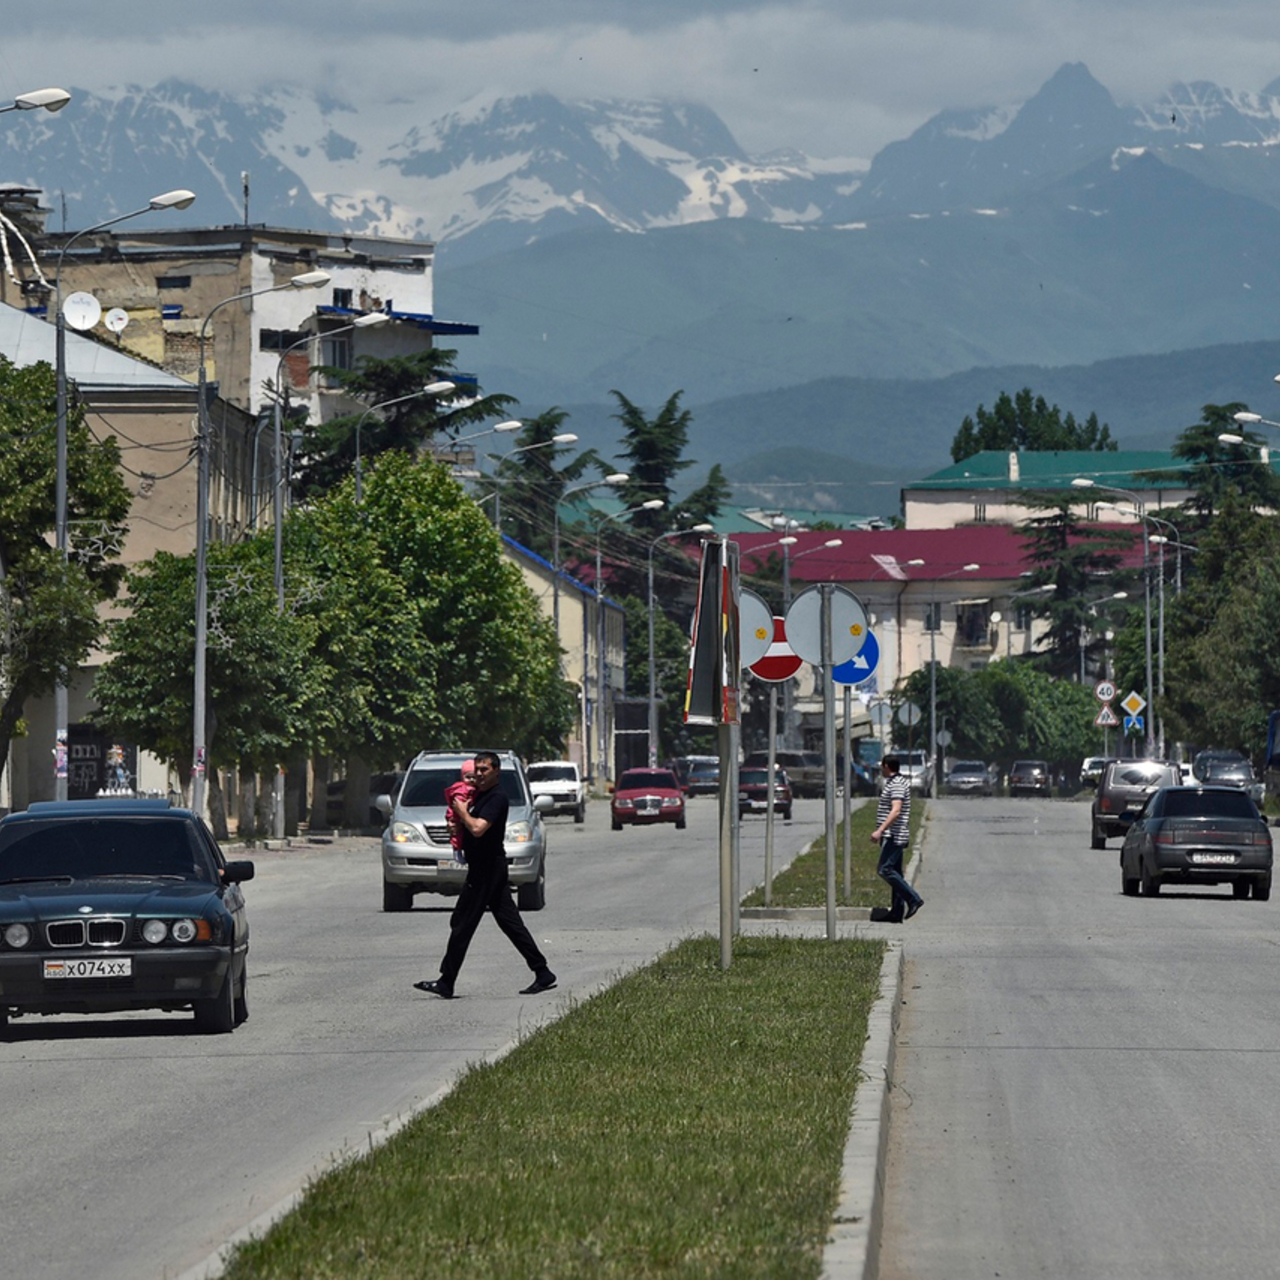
[543, 982]
[913, 908]
[436, 988]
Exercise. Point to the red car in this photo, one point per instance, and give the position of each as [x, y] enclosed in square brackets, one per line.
[645, 796]
[753, 792]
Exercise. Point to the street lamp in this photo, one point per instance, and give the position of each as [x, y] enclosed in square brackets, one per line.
[179, 199]
[614, 478]
[306, 280]
[1084, 482]
[1230, 437]
[431, 389]
[933, 673]
[654, 504]
[565, 437]
[49, 99]
[653, 665]
[1091, 606]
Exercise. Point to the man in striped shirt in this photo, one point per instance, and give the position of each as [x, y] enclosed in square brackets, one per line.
[893, 830]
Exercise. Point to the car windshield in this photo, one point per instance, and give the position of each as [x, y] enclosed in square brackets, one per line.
[1208, 804]
[639, 779]
[1142, 773]
[552, 773]
[89, 848]
[912, 758]
[760, 776]
[424, 788]
[1228, 769]
[969, 766]
[705, 770]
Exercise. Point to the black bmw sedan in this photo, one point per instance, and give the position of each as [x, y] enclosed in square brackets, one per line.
[113, 905]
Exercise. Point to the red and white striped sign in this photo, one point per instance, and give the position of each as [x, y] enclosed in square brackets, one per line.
[781, 662]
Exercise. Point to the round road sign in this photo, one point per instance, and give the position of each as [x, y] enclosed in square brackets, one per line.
[1104, 691]
[755, 627]
[861, 665]
[909, 714]
[781, 662]
[848, 624]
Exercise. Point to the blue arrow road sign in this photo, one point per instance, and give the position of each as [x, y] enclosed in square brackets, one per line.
[1133, 724]
[861, 665]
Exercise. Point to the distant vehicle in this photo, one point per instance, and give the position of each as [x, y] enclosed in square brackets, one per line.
[645, 796]
[1197, 835]
[1228, 769]
[417, 856]
[1124, 789]
[968, 777]
[681, 766]
[703, 778]
[753, 791]
[112, 905]
[1091, 769]
[805, 769]
[562, 781]
[917, 768]
[1030, 778]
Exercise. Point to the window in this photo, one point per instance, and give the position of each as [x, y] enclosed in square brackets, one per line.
[336, 352]
[980, 512]
[279, 339]
[173, 282]
[342, 298]
[933, 617]
[1022, 617]
[973, 625]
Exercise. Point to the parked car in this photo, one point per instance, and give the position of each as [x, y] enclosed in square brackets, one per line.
[1124, 789]
[645, 796]
[417, 856]
[1198, 835]
[969, 777]
[753, 791]
[1091, 769]
[1030, 778]
[1229, 769]
[703, 778]
[917, 768]
[805, 769]
[562, 781]
[113, 905]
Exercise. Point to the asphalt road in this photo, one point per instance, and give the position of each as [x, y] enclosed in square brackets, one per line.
[133, 1148]
[1085, 1083]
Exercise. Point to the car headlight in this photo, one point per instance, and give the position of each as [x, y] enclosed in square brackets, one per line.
[17, 935]
[184, 930]
[621, 802]
[405, 833]
[155, 931]
[672, 802]
[519, 833]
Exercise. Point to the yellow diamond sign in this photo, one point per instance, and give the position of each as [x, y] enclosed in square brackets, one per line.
[1134, 703]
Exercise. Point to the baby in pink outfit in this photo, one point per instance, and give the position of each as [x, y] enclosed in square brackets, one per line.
[466, 788]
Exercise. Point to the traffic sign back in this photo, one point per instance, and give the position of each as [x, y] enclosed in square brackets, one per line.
[781, 662]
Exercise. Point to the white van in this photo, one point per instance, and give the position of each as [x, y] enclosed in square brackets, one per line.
[562, 781]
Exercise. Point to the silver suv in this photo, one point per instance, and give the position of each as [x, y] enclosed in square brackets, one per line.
[416, 854]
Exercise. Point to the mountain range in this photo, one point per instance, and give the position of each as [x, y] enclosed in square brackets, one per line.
[635, 245]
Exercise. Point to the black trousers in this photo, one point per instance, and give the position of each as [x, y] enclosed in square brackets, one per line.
[486, 888]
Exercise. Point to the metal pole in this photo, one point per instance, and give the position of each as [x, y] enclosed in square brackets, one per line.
[1160, 668]
[653, 672]
[601, 742]
[60, 711]
[848, 788]
[829, 753]
[788, 692]
[1146, 584]
[728, 817]
[768, 813]
[198, 755]
[934, 620]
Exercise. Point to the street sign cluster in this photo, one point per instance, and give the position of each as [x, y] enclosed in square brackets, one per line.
[775, 648]
[1133, 704]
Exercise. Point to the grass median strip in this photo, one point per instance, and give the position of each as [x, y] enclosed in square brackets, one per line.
[687, 1122]
[804, 882]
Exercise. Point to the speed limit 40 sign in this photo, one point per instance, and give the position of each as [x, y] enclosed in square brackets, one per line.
[1104, 691]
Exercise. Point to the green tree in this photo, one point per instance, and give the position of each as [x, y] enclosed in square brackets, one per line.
[705, 503]
[1027, 421]
[653, 456]
[50, 607]
[1079, 563]
[328, 449]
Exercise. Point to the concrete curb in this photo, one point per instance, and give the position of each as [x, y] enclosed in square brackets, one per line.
[853, 1247]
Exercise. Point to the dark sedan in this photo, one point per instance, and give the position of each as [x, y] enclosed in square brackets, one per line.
[1198, 835]
[753, 792]
[114, 905]
[647, 795]
[1030, 778]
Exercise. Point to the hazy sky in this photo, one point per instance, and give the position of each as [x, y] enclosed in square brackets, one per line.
[830, 77]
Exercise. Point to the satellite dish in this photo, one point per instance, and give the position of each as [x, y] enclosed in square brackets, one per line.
[82, 311]
[116, 319]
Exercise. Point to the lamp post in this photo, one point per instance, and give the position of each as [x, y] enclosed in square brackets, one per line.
[654, 504]
[1084, 482]
[934, 620]
[49, 99]
[179, 199]
[431, 389]
[565, 437]
[306, 280]
[1090, 605]
[653, 662]
[614, 479]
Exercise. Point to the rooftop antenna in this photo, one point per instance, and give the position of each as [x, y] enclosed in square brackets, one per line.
[244, 185]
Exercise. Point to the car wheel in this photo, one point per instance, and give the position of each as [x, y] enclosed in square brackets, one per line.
[533, 897]
[1150, 883]
[1240, 888]
[395, 897]
[1097, 840]
[580, 813]
[680, 822]
[617, 826]
[217, 1016]
[241, 1010]
[1262, 888]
